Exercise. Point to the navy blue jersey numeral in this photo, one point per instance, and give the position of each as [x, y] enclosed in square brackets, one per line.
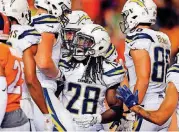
[77, 87]
[160, 65]
[91, 96]
[93, 100]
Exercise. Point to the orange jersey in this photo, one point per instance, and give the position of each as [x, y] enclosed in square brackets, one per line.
[12, 64]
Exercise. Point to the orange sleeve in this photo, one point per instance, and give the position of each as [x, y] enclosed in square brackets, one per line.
[4, 54]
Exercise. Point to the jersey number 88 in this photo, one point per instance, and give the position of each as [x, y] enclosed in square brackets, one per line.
[161, 64]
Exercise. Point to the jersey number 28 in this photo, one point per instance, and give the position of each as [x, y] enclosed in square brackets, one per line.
[90, 96]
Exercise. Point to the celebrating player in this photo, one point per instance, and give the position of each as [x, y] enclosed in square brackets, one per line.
[89, 78]
[168, 105]
[147, 55]
[48, 55]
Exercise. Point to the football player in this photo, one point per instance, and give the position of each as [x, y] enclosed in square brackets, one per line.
[50, 18]
[147, 55]
[77, 19]
[12, 117]
[168, 106]
[89, 77]
[22, 39]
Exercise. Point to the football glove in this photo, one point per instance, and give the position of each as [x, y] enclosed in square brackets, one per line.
[87, 120]
[124, 94]
[48, 124]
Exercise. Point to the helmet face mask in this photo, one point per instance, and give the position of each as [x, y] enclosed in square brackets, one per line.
[68, 35]
[63, 18]
[77, 19]
[123, 23]
[92, 40]
[83, 45]
[60, 9]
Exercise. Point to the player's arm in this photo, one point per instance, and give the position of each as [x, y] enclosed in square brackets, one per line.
[3, 93]
[113, 114]
[115, 110]
[44, 55]
[142, 62]
[166, 109]
[159, 116]
[33, 84]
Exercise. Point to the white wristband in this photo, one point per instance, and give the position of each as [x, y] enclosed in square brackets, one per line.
[98, 117]
[3, 95]
[3, 83]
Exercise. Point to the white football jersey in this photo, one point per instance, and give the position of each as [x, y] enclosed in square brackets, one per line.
[22, 37]
[48, 23]
[173, 76]
[157, 44]
[81, 96]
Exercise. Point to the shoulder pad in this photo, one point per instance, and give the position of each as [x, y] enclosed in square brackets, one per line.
[174, 68]
[31, 32]
[44, 18]
[111, 53]
[139, 41]
[46, 23]
[64, 62]
[23, 36]
[173, 75]
[113, 73]
[138, 36]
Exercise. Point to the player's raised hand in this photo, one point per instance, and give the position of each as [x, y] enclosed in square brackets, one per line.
[124, 94]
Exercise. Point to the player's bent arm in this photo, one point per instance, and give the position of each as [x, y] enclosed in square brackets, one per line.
[33, 84]
[116, 107]
[142, 62]
[44, 55]
[166, 109]
[3, 94]
[113, 114]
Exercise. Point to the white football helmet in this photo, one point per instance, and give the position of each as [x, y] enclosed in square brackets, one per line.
[77, 19]
[41, 3]
[91, 40]
[17, 9]
[152, 9]
[60, 8]
[136, 12]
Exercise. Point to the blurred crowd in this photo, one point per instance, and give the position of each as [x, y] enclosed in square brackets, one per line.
[107, 13]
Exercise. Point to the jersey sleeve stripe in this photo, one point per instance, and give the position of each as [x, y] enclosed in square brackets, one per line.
[110, 50]
[29, 32]
[44, 19]
[115, 71]
[55, 120]
[138, 36]
[64, 64]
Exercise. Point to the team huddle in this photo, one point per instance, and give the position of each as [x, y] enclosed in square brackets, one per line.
[59, 71]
